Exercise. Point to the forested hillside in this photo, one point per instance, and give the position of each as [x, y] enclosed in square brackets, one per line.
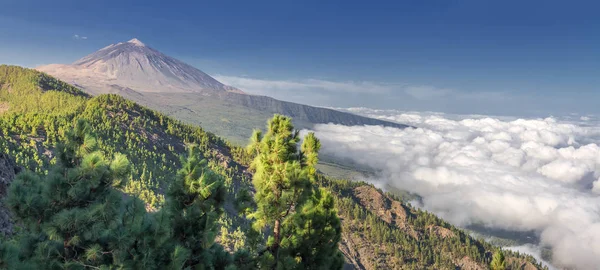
[37, 112]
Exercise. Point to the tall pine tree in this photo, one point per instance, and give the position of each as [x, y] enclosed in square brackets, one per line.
[303, 227]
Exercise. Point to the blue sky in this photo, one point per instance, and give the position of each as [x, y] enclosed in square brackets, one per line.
[505, 57]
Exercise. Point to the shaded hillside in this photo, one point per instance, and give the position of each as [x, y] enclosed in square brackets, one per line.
[8, 170]
[379, 231]
[301, 112]
[234, 116]
[149, 77]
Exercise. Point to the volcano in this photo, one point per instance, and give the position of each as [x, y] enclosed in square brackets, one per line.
[134, 65]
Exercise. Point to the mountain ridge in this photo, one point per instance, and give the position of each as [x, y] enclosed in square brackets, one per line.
[144, 75]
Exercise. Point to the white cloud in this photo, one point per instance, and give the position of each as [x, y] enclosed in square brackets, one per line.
[514, 174]
[78, 37]
[321, 92]
[270, 87]
[596, 187]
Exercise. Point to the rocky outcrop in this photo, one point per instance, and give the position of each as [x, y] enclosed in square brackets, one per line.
[388, 209]
[441, 231]
[8, 170]
[466, 263]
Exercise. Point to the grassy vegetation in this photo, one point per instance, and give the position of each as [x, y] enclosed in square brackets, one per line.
[38, 116]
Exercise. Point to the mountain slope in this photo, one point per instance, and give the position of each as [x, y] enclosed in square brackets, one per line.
[234, 116]
[145, 75]
[135, 65]
[379, 231]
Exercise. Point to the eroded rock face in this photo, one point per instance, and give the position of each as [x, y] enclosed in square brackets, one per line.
[8, 171]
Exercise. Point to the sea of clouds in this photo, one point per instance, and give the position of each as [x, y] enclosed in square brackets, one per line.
[538, 175]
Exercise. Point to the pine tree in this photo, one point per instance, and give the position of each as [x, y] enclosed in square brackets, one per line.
[194, 205]
[71, 215]
[498, 262]
[74, 217]
[287, 203]
[314, 234]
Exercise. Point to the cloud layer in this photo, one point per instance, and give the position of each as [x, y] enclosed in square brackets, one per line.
[517, 174]
[278, 87]
[268, 87]
[412, 96]
[309, 91]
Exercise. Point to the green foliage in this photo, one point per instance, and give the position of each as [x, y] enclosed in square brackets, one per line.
[74, 210]
[305, 227]
[314, 234]
[278, 178]
[38, 112]
[498, 262]
[75, 218]
[193, 207]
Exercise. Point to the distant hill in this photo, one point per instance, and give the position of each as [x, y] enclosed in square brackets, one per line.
[147, 76]
[379, 230]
